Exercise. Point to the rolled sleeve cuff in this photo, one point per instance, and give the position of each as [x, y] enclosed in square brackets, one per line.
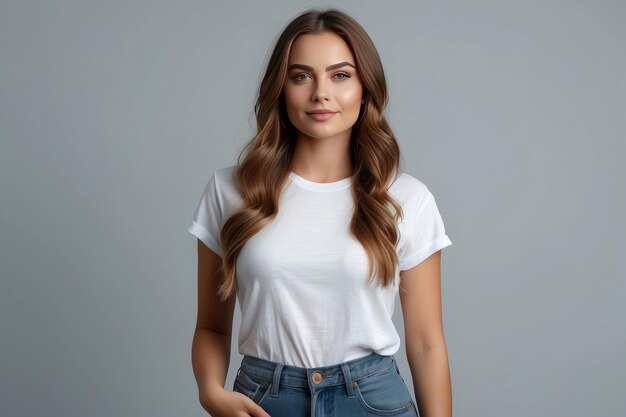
[413, 260]
[207, 238]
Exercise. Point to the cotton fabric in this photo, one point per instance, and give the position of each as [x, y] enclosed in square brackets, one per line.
[302, 280]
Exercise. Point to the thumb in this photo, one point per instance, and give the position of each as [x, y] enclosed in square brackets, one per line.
[257, 411]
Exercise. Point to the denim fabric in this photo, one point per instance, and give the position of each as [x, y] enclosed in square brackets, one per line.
[368, 386]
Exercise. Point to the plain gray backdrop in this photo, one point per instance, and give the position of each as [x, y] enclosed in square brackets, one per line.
[113, 116]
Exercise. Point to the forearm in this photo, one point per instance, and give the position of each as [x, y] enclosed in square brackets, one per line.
[431, 380]
[210, 357]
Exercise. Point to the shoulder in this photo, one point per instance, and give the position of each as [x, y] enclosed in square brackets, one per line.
[226, 176]
[409, 190]
[224, 180]
[225, 183]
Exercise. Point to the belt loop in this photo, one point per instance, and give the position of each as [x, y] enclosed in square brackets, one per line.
[396, 365]
[348, 378]
[276, 380]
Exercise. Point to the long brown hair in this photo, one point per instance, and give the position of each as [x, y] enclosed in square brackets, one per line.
[375, 154]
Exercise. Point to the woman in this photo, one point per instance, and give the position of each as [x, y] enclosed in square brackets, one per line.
[314, 232]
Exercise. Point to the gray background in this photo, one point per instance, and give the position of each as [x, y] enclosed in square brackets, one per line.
[113, 115]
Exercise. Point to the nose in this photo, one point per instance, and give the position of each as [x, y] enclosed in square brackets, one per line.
[320, 91]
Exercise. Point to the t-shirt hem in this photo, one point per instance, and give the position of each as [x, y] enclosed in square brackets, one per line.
[432, 247]
[206, 237]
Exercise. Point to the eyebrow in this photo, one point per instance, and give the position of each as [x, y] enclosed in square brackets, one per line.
[328, 68]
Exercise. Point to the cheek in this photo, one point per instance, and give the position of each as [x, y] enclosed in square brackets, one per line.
[292, 99]
[350, 96]
[288, 103]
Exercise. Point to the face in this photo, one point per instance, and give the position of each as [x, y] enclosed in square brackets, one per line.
[322, 75]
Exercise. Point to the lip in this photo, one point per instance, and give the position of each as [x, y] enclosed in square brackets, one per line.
[320, 111]
[321, 116]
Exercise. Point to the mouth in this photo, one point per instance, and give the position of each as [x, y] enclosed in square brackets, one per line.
[322, 111]
[321, 116]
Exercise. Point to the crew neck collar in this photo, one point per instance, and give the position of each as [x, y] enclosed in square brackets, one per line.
[320, 186]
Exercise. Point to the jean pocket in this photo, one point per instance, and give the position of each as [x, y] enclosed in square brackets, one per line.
[255, 388]
[384, 394]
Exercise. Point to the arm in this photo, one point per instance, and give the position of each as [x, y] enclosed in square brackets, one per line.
[210, 351]
[420, 296]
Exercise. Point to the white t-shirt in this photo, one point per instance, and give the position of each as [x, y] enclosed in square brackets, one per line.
[303, 292]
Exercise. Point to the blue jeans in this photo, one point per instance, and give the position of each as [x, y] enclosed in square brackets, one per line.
[368, 386]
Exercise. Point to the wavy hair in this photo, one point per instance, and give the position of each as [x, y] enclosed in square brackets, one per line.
[265, 167]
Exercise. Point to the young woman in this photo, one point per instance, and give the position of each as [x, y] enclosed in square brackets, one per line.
[315, 231]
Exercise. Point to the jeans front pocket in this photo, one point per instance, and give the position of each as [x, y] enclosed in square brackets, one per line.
[384, 394]
[256, 389]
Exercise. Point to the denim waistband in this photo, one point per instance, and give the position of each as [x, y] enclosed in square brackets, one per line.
[342, 373]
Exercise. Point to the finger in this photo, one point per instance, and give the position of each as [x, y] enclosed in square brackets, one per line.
[257, 411]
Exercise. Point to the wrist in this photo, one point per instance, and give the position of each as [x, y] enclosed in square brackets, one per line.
[210, 394]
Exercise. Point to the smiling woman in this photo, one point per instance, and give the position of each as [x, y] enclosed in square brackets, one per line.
[324, 102]
[313, 232]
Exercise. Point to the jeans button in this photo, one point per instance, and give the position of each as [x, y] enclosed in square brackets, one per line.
[316, 377]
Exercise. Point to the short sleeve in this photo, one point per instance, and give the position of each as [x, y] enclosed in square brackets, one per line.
[424, 233]
[206, 224]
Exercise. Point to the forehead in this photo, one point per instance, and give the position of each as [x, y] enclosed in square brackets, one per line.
[320, 49]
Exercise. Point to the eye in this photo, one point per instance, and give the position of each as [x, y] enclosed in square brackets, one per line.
[345, 76]
[341, 76]
[297, 76]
